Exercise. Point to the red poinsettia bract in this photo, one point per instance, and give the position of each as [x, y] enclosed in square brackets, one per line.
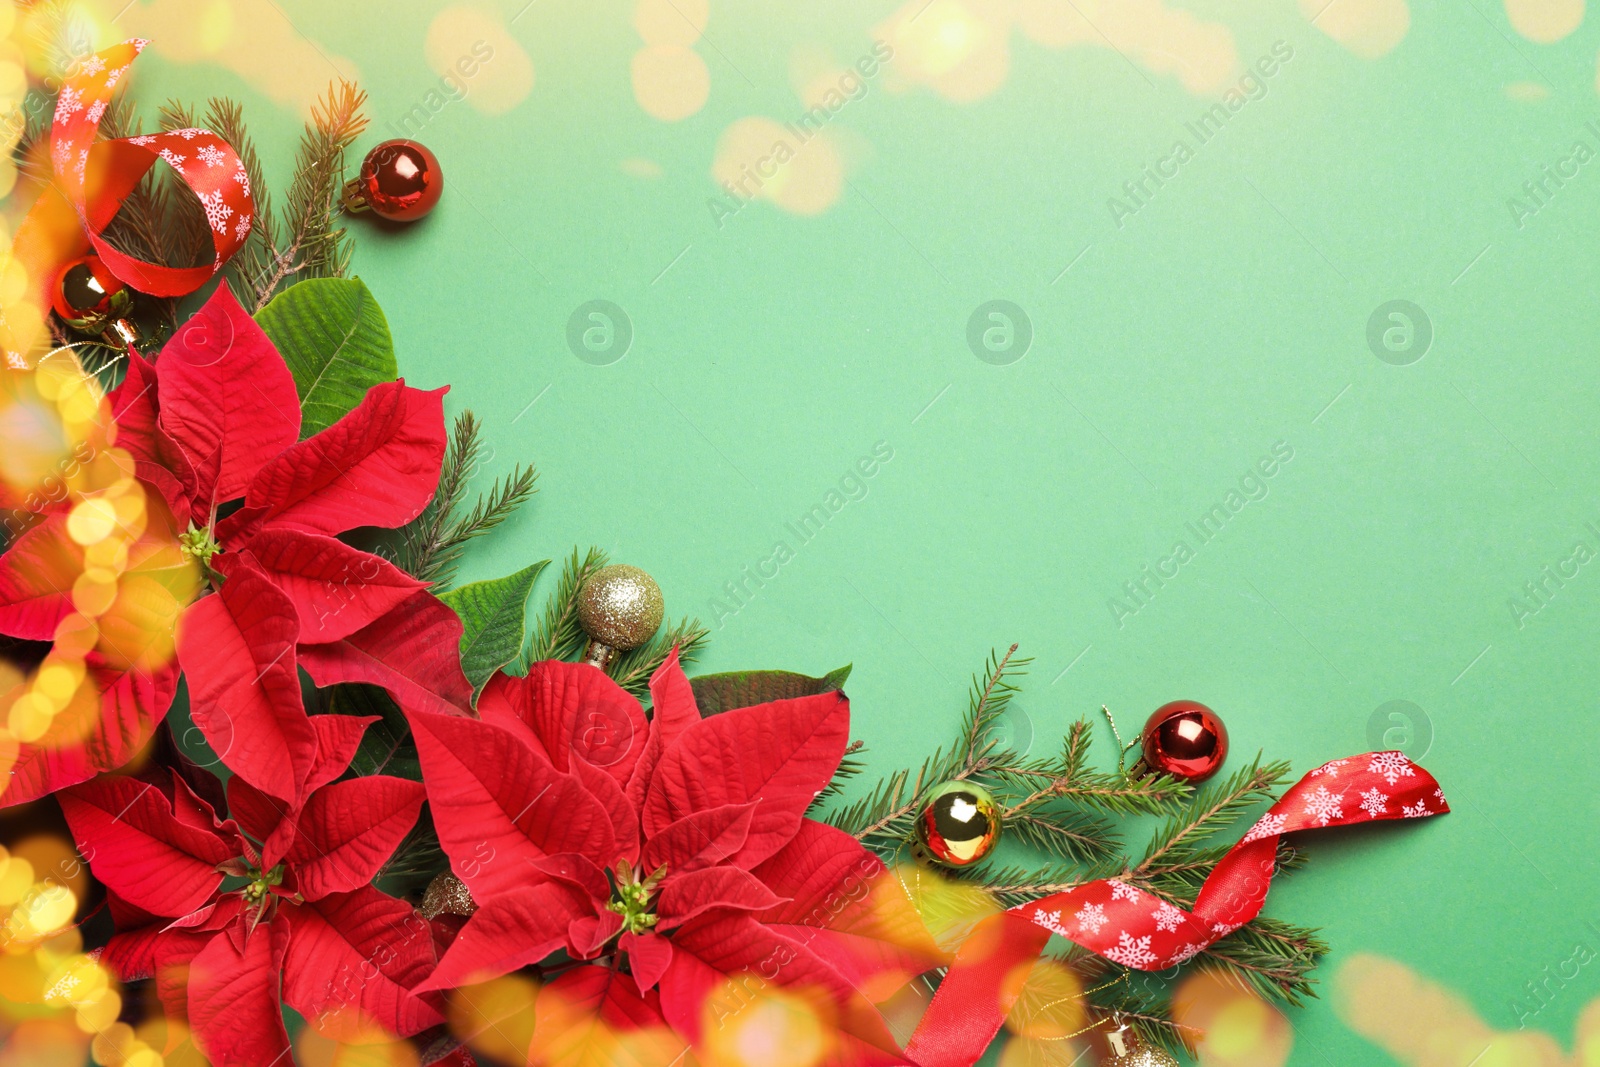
[216, 420]
[678, 845]
[235, 918]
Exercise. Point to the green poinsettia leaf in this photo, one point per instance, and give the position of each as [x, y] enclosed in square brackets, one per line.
[386, 747]
[493, 618]
[716, 693]
[334, 337]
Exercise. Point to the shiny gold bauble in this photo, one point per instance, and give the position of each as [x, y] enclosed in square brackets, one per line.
[959, 825]
[1129, 1051]
[447, 895]
[620, 606]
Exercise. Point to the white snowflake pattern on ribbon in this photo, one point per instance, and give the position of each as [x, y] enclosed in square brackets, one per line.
[1131, 951]
[1091, 917]
[1374, 802]
[242, 230]
[174, 160]
[1329, 767]
[1167, 917]
[217, 213]
[92, 65]
[15, 361]
[243, 178]
[1392, 765]
[211, 155]
[114, 76]
[1050, 920]
[1269, 825]
[1415, 811]
[143, 139]
[1324, 806]
[62, 989]
[70, 102]
[1224, 929]
[188, 133]
[96, 112]
[1123, 891]
[1185, 954]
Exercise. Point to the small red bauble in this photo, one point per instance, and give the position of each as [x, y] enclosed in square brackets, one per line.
[399, 180]
[1185, 739]
[86, 291]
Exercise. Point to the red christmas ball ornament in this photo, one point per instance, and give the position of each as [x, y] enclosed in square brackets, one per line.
[399, 180]
[1185, 739]
[92, 300]
[86, 291]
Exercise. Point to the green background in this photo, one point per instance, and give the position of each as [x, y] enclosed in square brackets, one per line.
[1229, 314]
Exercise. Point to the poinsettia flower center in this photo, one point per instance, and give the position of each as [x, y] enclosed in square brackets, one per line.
[199, 544]
[633, 897]
[261, 883]
[632, 902]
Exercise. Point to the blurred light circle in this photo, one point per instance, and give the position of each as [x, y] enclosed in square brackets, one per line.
[92, 520]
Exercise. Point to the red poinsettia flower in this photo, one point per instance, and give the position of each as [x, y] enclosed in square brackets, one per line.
[217, 419]
[235, 918]
[679, 846]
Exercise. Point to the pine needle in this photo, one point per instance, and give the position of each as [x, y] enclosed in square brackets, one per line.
[1215, 808]
[431, 544]
[315, 245]
[632, 669]
[557, 635]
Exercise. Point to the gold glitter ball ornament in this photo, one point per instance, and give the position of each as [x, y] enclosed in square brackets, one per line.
[447, 895]
[619, 607]
[959, 825]
[1129, 1051]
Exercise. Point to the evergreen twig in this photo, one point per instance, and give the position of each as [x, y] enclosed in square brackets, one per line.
[315, 245]
[430, 545]
[557, 634]
[632, 669]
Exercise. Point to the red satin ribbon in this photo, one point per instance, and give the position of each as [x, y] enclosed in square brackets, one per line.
[92, 179]
[1129, 926]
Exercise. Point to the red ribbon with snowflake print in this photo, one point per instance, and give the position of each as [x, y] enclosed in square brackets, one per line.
[91, 179]
[1136, 929]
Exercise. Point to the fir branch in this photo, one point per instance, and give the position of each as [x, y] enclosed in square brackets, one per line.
[226, 118]
[849, 768]
[423, 537]
[1011, 886]
[990, 698]
[1072, 835]
[1041, 782]
[316, 246]
[431, 544]
[557, 635]
[1271, 959]
[492, 508]
[1216, 807]
[883, 820]
[632, 669]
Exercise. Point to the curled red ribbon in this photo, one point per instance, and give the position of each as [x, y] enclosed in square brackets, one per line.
[1129, 926]
[92, 179]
